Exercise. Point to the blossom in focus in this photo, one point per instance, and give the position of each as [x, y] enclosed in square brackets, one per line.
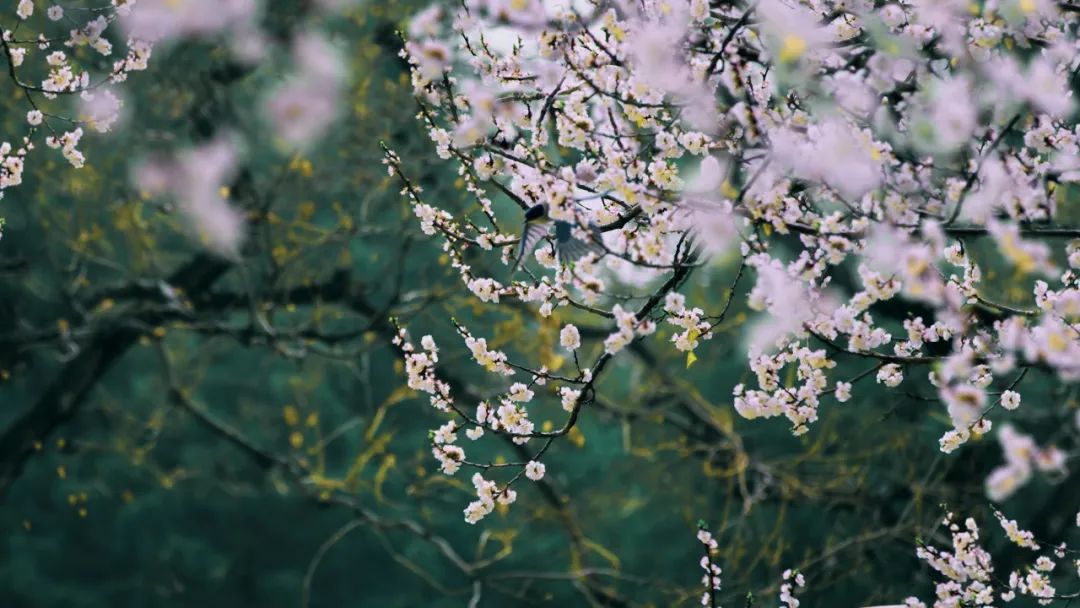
[535, 470]
[570, 338]
[890, 375]
[843, 391]
[1010, 400]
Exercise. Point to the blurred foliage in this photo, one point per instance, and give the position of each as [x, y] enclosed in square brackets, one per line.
[193, 458]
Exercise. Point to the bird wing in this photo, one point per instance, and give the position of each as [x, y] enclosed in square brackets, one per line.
[571, 248]
[529, 239]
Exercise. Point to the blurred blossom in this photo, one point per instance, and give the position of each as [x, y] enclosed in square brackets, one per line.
[708, 213]
[304, 107]
[834, 152]
[709, 179]
[529, 13]
[100, 109]
[159, 20]
[852, 94]
[888, 70]
[197, 179]
[892, 15]
[427, 23]
[953, 114]
[1050, 460]
[1004, 481]
[791, 29]
[1022, 457]
[248, 45]
[784, 297]
[980, 205]
[1041, 83]
[1027, 256]
[301, 113]
[548, 74]
[890, 252]
[965, 404]
[1048, 88]
[1031, 11]
[1068, 165]
[943, 15]
[657, 57]
[1017, 447]
[715, 226]
[316, 58]
[431, 58]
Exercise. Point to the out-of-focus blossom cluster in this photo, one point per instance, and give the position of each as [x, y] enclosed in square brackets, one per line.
[164, 20]
[858, 159]
[306, 104]
[45, 57]
[1022, 458]
[197, 179]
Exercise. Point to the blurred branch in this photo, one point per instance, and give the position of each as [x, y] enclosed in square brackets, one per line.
[68, 390]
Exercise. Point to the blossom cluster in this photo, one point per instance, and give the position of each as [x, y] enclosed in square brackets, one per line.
[506, 414]
[791, 580]
[856, 157]
[969, 571]
[44, 54]
[711, 579]
[968, 567]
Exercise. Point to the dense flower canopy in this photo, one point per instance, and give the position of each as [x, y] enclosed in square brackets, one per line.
[857, 157]
[888, 187]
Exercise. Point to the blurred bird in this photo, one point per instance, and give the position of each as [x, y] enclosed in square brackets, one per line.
[569, 248]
